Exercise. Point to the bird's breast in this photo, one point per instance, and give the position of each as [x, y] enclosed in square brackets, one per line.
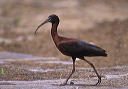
[64, 51]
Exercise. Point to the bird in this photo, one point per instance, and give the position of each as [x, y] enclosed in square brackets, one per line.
[73, 48]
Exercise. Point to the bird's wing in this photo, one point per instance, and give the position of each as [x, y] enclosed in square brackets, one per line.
[69, 46]
[90, 48]
[77, 46]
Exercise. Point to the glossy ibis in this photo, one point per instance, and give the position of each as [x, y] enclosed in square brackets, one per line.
[73, 47]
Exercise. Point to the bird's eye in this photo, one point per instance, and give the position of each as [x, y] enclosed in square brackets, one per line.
[49, 19]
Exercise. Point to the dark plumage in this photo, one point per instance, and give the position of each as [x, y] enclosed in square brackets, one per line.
[77, 48]
[73, 47]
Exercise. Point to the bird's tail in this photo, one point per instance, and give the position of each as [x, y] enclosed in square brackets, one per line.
[105, 54]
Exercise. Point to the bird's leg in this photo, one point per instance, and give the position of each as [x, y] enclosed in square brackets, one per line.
[73, 70]
[99, 77]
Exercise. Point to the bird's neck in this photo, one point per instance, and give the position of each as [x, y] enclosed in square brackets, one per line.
[54, 33]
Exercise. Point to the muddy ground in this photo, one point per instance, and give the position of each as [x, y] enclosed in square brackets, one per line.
[28, 71]
[103, 23]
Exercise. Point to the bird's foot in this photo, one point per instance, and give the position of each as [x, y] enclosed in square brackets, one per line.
[99, 81]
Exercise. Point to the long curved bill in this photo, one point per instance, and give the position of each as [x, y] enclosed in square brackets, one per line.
[46, 21]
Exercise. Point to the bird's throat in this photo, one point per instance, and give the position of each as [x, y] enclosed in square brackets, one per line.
[54, 33]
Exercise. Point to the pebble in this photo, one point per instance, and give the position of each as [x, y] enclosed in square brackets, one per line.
[71, 83]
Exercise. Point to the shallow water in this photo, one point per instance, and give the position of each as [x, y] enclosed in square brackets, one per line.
[11, 56]
[14, 55]
[116, 76]
[62, 62]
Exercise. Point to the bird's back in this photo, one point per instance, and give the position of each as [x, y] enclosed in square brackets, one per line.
[91, 50]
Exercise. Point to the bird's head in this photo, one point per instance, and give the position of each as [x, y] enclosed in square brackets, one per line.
[52, 18]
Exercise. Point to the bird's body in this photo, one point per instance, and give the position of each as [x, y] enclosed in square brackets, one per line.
[73, 47]
[77, 48]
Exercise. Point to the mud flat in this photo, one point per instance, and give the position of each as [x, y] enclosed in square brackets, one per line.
[111, 83]
[20, 71]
